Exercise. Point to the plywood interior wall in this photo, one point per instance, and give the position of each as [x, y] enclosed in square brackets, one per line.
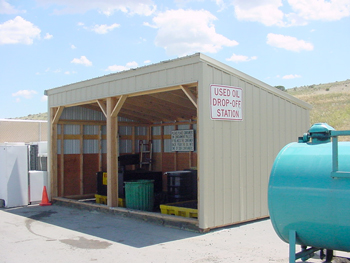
[77, 171]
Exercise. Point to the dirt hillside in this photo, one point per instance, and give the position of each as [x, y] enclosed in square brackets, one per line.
[331, 102]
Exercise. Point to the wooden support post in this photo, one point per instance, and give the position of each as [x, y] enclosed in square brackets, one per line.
[62, 160]
[112, 155]
[55, 114]
[81, 160]
[100, 147]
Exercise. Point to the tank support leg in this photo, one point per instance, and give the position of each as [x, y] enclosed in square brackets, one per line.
[292, 243]
[305, 254]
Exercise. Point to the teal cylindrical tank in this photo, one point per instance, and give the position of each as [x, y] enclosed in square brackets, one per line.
[305, 196]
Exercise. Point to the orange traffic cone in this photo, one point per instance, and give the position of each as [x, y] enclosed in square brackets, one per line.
[45, 199]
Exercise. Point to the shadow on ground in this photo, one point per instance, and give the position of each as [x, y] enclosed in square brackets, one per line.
[116, 228]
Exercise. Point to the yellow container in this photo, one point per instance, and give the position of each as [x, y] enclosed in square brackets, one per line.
[102, 199]
[180, 209]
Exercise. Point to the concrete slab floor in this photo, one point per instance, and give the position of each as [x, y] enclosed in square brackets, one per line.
[64, 234]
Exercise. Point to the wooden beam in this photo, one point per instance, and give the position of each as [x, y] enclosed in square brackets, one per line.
[147, 92]
[103, 107]
[190, 95]
[57, 114]
[118, 106]
[112, 154]
[81, 160]
[62, 160]
[53, 153]
[100, 148]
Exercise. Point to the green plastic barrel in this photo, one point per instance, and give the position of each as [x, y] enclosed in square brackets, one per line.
[139, 195]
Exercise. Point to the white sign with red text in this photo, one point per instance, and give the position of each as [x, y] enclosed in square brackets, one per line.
[226, 103]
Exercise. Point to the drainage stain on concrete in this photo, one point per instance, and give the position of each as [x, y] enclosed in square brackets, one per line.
[84, 243]
[39, 216]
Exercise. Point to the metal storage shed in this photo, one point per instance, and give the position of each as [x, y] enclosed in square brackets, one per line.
[234, 149]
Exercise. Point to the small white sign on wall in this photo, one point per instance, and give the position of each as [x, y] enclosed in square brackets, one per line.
[182, 140]
[226, 103]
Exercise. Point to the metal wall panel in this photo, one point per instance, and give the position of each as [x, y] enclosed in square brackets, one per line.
[168, 130]
[157, 146]
[125, 146]
[91, 129]
[81, 113]
[104, 146]
[141, 130]
[71, 129]
[235, 157]
[71, 146]
[179, 71]
[167, 145]
[156, 130]
[125, 130]
[90, 146]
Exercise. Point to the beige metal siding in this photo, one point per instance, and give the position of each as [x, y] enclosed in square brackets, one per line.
[23, 131]
[235, 157]
[162, 75]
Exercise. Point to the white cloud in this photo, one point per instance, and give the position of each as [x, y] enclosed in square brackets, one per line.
[44, 98]
[27, 94]
[48, 36]
[241, 58]
[103, 29]
[291, 76]
[288, 43]
[149, 25]
[321, 9]
[132, 64]
[117, 68]
[266, 12]
[82, 60]
[73, 47]
[18, 31]
[269, 12]
[70, 72]
[147, 62]
[181, 32]
[107, 7]
[7, 9]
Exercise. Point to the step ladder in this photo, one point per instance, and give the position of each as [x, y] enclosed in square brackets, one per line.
[145, 154]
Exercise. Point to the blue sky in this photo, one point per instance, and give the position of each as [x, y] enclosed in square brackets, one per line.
[49, 43]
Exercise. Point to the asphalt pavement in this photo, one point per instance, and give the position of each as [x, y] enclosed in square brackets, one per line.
[65, 234]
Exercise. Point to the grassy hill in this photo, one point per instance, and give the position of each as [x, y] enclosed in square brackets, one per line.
[331, 103]
[39, 116]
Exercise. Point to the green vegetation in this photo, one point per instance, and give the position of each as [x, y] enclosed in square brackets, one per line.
[331, 103]
[281, 88]
[39, 116]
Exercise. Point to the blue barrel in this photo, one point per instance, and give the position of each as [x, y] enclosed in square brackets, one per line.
[305, 196]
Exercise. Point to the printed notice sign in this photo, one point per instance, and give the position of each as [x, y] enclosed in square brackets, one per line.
[226, 103]
[182, 141]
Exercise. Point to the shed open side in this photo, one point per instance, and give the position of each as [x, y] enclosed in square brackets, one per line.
[94, 121]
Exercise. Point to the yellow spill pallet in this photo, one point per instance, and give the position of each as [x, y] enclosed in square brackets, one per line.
[102, 199]
[177, 210]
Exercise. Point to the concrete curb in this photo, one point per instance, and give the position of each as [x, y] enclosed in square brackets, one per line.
[188, 224]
